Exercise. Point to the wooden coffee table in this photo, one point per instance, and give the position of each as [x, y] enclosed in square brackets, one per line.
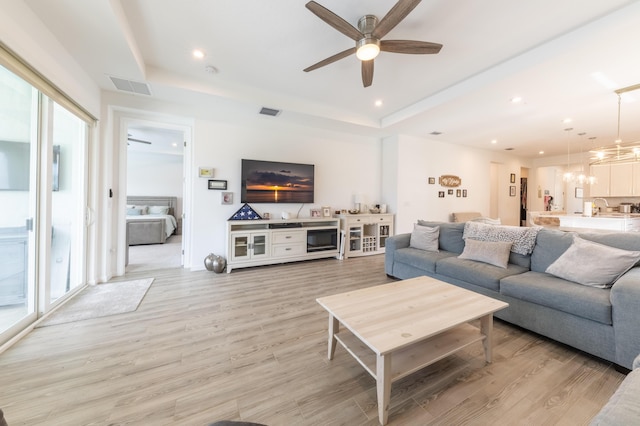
[396, 329]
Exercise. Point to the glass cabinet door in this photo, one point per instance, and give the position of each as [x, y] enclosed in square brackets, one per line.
[355, 238]
[240, 246]
[259, 245]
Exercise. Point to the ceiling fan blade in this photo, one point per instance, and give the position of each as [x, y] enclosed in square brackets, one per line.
[334, 20]
[138, 140]
[410, 46]
[367, 73]
[397, 13]
[331, 59]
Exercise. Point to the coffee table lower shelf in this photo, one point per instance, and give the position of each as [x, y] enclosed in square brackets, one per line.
[414, 357]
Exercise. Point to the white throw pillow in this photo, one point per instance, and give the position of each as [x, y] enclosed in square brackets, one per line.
[158, 210]
[487, 220]
[425, 237]
[593, 264]
[492, 252]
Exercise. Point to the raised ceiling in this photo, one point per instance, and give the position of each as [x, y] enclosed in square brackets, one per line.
[548, 52]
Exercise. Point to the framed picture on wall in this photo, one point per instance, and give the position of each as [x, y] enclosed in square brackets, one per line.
[205, 172]
[227, 198]
[512, 191]
[217, 184]
[512, 178]
[579, 193]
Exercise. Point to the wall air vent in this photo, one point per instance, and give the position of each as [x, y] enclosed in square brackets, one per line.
[270, 111]
[131, 86]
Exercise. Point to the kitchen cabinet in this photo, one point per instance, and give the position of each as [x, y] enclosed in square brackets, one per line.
[600, 188]
[621, 180]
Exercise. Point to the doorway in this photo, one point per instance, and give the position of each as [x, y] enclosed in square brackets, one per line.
[155, 168]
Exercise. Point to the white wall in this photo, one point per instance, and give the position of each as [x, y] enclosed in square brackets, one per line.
[150, 174]
[418, 159]
[344, 165]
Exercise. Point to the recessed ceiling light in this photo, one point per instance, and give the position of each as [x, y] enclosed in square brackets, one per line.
[378, 103]
[494, 141]
[516, 99]
[174, 144]
[540, 152]
[566, 120]
[198, 54]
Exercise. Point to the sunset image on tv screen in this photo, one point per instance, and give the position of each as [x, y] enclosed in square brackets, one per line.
[276, 182]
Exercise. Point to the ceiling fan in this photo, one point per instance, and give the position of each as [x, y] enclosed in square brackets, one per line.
[130, 139]
[368, 36]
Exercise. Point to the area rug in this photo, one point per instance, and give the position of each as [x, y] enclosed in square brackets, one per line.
[101, 300]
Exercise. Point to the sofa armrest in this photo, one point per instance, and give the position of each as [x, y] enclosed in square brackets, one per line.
[625, 300]
[391, 245]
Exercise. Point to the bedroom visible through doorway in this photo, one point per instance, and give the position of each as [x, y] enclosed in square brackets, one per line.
[155, 186]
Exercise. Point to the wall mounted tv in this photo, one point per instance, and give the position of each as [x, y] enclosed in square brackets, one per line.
[276, 182]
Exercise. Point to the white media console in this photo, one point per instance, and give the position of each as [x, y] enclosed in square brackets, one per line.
[266, 242]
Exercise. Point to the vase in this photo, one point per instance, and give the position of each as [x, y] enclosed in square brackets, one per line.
[215, 263]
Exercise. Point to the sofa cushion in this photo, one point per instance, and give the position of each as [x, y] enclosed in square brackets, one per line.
[593, 264]
[421, 259]
[477, 273]
[491, 252]
[550, 244]
[621, 240]
[623, 407]
[556, 293]
[450, 235]
[425, 237]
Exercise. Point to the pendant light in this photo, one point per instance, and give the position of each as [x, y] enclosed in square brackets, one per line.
[568, 175]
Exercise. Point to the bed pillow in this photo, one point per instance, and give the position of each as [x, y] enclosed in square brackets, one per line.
[425, 237]
[134, 211]
[143, 209]
[593, 264]
[158, 209]
[492, 252]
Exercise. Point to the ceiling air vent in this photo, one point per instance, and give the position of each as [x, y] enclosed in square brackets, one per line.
[131, 86]
[269, 111]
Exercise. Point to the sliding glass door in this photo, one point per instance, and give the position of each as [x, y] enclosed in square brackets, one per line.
[18, 177]
[69, 136]
[43, 193]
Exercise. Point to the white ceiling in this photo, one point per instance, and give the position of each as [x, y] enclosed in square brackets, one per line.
[545, 51]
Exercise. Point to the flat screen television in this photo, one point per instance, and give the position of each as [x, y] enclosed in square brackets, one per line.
[276, 182]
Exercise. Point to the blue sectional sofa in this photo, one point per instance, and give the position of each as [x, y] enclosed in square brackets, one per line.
[604, 322]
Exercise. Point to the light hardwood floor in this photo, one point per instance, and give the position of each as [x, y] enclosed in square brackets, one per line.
[252, 345]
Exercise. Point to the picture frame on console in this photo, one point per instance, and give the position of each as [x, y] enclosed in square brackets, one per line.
[315, 212]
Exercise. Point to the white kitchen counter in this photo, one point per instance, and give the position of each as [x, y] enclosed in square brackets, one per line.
[607, 221]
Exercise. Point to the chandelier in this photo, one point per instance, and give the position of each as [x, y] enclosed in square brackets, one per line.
[620, 152]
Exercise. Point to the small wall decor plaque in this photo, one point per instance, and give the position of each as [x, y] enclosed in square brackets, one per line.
[450, 181]
[217, 184]
[205, 172]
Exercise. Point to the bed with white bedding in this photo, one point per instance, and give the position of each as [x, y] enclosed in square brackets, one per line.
[150, 220]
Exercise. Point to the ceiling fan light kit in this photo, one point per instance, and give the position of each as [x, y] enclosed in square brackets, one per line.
[368, 37]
